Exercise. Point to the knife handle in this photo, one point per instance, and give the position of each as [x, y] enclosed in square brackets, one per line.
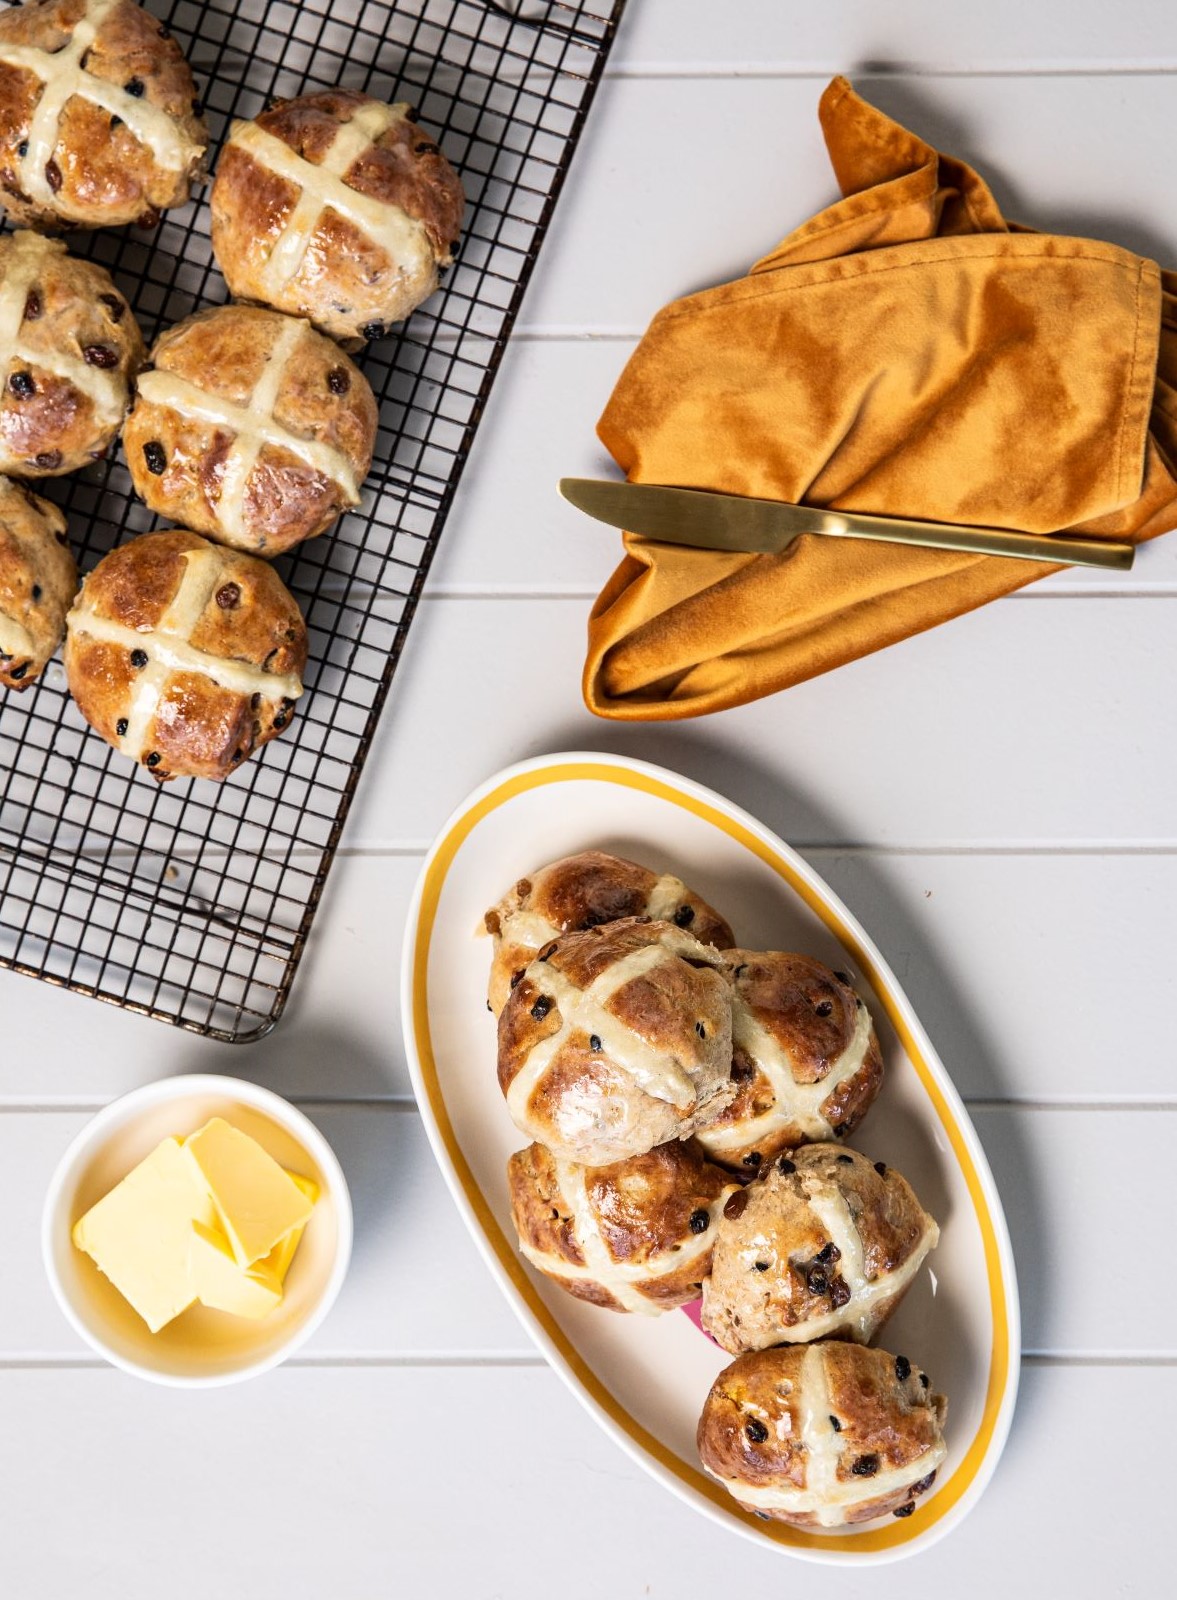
[1107, 553]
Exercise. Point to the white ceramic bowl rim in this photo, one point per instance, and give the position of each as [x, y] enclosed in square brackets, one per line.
[184, 1086]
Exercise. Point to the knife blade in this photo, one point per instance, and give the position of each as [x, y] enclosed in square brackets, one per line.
[713, 521]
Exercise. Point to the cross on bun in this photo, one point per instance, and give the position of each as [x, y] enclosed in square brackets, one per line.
[584, 891]
[184, 656]
[632, 1236]
[38, 581]
[99, 122]
[251, 428]
[69, 347]
[615, 1040]
[824, 1243]
[823, 1435]
[806, 1062]
[335, 207]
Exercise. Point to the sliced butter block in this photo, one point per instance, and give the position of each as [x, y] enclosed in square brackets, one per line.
[256, 1203]
[222, 1285]
[139, 1233]
[279, 1259]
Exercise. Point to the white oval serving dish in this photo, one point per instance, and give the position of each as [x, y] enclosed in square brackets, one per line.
[645, 1378]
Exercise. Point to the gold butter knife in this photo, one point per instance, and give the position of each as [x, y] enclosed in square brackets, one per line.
[714, 521]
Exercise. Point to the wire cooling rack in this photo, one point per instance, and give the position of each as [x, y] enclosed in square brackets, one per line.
[192, 902]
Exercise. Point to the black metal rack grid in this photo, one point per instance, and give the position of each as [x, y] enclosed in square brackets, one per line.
[191, 902]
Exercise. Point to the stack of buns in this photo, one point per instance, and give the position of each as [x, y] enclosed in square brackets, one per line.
[333, 216]
[687, 1100]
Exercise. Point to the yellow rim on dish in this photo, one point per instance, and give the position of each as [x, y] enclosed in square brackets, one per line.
[931, 1511]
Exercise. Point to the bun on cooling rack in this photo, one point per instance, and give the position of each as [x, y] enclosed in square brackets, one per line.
[615, 1040]
[824, 1243]
[38, 581]
[250, 427]
[69, 347]
[632, 1236]
[335, 207]
[184, 656]
[823, 1435]
[806, 1062]
[99, 124]
[584, 891]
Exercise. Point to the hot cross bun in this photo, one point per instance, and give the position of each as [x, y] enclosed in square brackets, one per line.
[824, 1243]
[99, 124]
[250, 427]
[185, 656]
[584, 891]
[338, 208]
[38, 581]
[615, 1040]
[823, 1435]
[633, 1236]
[69, 347]
[806, 1061]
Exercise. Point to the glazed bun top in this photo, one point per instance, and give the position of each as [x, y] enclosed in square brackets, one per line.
[98, 119]
[185, 656]
[587, 890]
[806, 1064]
[69, 347]
[632, 1236]
[38, 581]
[823, 1435]
[615, 1040]
[250, 427]
[826, 1242]
[335, 207]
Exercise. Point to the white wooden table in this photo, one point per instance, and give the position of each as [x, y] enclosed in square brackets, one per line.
[1002, 821]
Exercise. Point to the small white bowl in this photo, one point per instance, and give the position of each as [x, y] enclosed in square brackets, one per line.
[201, 1348]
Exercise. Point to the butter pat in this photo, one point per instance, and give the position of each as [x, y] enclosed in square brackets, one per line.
[224, 1286]
[279, 1259]
[139, 1234]
[256, 1203]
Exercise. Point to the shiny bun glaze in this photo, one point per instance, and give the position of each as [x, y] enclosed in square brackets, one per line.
[336, 207]
[99, 122]
[38, 581]
[615, 1040]
[184, 656]
[632, 1236]
[823, 1243]
[250, 428]
[69, 349]
[823, 1435]
[806, 1062]
[587, 890]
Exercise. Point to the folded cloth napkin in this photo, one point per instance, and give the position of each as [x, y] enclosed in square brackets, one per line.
[906, 352]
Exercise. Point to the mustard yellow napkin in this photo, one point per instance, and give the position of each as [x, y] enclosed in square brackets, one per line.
[905, 352]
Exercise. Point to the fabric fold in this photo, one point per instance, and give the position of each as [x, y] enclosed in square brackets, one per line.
[906, 353]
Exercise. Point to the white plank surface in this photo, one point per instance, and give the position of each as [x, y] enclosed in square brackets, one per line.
[999, 817]
[962, 736]
[453, 1481]
[628, 237]
[680, 37]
